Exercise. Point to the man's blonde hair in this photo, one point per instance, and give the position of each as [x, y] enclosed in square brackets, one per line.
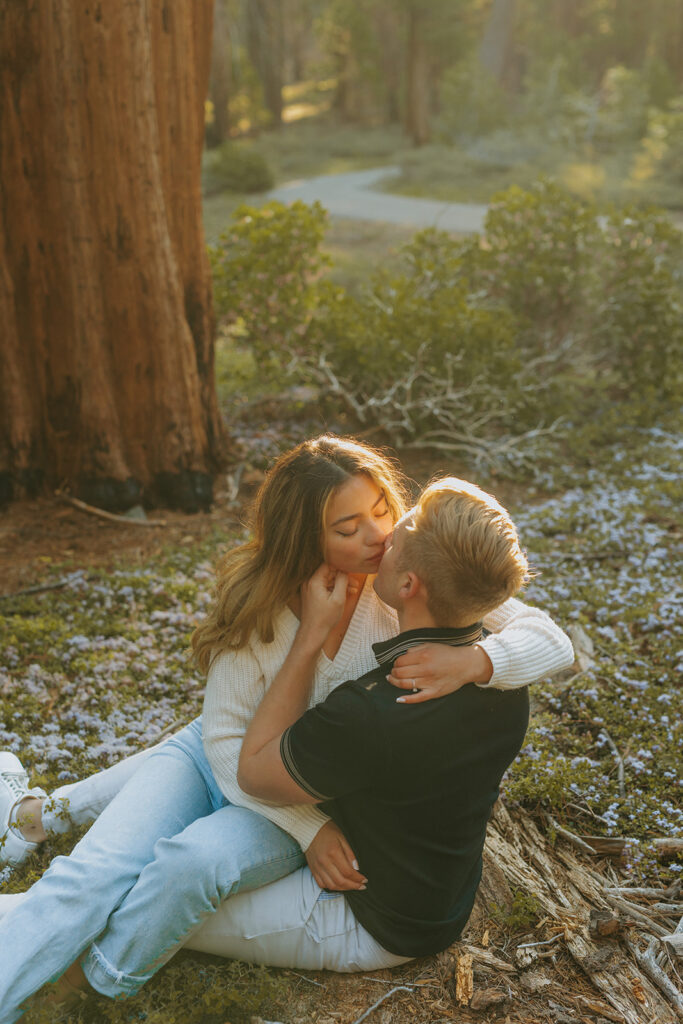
[463, 545]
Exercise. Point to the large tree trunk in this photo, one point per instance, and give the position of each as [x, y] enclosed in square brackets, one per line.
[418, 91]
[107, 379]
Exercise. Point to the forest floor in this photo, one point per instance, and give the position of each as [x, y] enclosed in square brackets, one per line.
[94, 666]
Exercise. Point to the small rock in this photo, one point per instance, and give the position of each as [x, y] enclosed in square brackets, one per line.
[583, 646]
[484, 998]
[136, 512]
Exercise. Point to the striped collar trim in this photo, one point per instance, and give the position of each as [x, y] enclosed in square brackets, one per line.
[389, 650]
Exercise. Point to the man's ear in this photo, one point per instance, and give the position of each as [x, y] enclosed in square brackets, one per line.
[411, 586]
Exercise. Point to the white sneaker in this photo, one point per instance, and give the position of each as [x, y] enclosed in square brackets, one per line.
[14, 849]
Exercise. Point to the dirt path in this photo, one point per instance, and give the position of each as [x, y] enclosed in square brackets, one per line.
[354, 195]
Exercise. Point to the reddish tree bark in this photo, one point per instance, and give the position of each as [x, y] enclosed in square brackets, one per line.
[107, 382]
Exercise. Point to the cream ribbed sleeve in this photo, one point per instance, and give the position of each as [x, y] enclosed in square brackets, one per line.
[525, 645]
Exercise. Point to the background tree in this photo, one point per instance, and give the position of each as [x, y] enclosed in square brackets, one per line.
[221, 83]
[107, 379]
[265, 38]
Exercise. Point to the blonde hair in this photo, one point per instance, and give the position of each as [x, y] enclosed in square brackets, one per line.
[256, 580]
[463, 544]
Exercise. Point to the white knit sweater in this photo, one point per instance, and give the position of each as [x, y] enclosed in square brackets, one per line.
[525, 645]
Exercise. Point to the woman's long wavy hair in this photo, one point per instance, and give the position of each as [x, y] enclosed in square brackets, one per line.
[256, 580]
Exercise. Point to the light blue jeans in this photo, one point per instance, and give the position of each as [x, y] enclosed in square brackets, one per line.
[159, 859]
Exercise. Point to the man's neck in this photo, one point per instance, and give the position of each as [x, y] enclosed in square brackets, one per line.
[419, 617]
[415, 618]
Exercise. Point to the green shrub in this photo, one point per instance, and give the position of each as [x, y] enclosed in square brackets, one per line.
[662, 146]
[637, 307]
[478, 346]
[266, 271]
[234, 167]
[535, 252]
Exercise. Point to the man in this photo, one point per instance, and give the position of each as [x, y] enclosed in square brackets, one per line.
[411, 788]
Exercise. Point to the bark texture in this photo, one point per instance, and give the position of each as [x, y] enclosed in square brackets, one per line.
[570, 892]
[106, 349]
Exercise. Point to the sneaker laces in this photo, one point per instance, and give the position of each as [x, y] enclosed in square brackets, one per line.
[17, 783]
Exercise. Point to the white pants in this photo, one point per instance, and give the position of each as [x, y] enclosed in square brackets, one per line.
[292, 923]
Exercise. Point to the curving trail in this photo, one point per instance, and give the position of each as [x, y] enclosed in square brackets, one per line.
[353, 195]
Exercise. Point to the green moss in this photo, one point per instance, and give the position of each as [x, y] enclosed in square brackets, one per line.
[523, 913]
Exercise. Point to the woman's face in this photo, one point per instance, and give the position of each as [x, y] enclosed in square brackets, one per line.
[356, 524]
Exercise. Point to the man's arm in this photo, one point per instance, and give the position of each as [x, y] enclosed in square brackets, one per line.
[261, 772]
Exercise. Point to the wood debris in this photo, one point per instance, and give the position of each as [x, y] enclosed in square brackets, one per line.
[585, 913]
[464, 982]
[485, 998]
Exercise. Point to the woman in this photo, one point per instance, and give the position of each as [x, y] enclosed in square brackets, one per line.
[180, 825]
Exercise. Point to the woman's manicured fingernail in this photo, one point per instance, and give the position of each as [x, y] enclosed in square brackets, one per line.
[355, 865]
[362, 888]
[400, 700]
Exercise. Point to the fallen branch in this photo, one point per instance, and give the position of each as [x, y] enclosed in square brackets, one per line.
[399, 988]
[624, 890]
[674, 944]
[647, 962]
[41, 587]
[102, 514]
[575, 840]
[668, 847]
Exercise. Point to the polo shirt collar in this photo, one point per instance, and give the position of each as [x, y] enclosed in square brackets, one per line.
[389, 650]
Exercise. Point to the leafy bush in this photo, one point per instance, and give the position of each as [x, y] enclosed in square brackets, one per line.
[637, 306]
[476, 346]
[236, 168]
[266, 274]
[662, 147]
[535, 251]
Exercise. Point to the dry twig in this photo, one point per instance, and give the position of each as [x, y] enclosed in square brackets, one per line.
[102, 514]
[618, 758]
[648, 964]
[399, 988]
[41, 587]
